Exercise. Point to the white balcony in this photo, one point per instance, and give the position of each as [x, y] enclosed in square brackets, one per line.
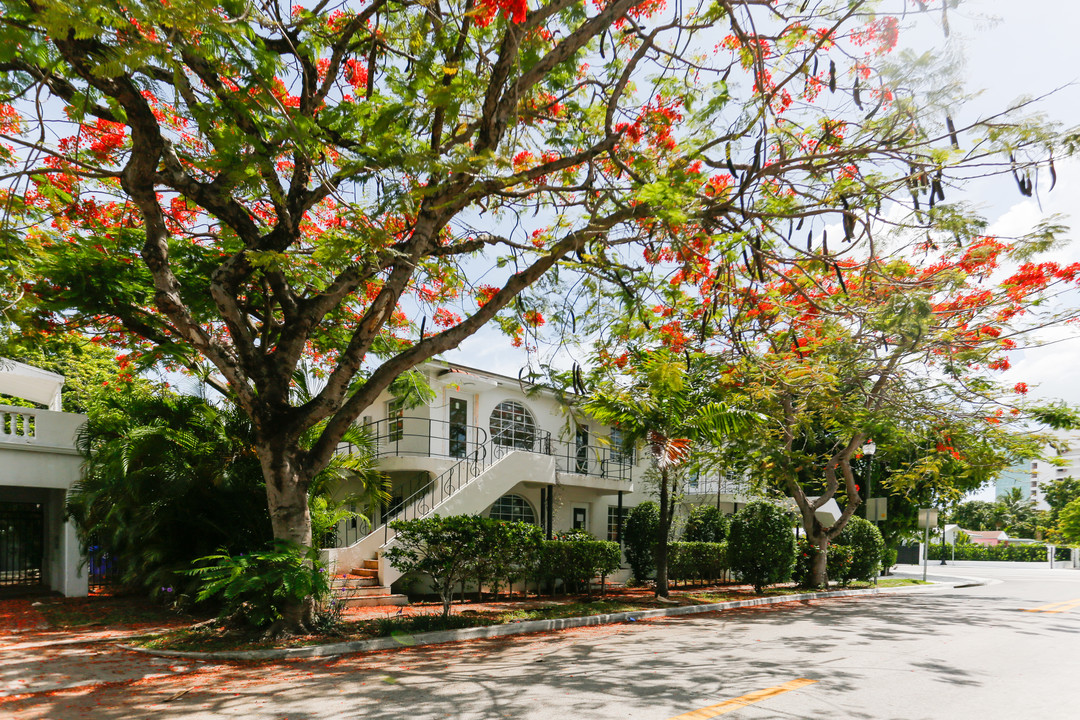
[44, 429]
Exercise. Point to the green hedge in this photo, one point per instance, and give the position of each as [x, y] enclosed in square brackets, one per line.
[576, 562]
[1007, 553]
[697, 561]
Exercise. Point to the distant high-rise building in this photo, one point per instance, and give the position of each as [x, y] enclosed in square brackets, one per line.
[1032, 476]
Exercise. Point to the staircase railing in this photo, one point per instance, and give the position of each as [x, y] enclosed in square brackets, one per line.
[440, 488]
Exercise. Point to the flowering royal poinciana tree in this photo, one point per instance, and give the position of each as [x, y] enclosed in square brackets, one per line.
[898, 349]
[239, 187]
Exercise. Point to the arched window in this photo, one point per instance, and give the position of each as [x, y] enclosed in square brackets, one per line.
[513, 508]
[513, 426]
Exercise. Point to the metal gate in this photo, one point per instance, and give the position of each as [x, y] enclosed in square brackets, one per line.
[22, 544]
[907, 555]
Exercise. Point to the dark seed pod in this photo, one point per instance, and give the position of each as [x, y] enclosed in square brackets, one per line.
[809, 240]
[824, 242]
[814, 71]
[840, 277]
[423, 324]
[856, 95]
[1053, 175]
[952, 132]
[687, 352]
[936, 190]
[801, 221]
[832, 76]
[881, 101]
[731, 165]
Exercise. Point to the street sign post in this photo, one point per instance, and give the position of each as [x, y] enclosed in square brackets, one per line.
[927, 517]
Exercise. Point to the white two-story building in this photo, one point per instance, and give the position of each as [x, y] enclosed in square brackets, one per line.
[39, 464]
[487, 444]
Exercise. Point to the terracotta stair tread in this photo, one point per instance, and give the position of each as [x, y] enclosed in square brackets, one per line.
[376, 600]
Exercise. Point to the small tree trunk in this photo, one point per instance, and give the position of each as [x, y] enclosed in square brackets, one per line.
[662, 537]
[819, 573]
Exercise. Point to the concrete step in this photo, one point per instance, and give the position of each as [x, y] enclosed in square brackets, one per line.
[365, 571]
[364, 591]
[371, 564]
[353, 582]
[376, 600]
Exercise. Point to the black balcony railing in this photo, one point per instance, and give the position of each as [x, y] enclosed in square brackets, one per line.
[592, 460]
[424, 437]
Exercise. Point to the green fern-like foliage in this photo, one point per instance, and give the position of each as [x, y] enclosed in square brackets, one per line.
[256, 586]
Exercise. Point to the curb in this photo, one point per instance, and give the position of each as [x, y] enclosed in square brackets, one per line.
[519, 628]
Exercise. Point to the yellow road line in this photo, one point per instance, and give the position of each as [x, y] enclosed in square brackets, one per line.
[740, 702]
[1063, 606]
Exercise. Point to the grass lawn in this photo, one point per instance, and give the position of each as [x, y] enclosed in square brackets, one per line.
[424, 617]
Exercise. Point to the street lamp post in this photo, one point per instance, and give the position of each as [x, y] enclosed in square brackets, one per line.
[869, 448]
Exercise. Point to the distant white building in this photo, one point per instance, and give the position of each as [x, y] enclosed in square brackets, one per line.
[1041, 473]
[38, 465]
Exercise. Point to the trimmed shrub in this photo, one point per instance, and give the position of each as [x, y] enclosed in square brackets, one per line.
[867, 546]
[888, 559]
[1005, 553]
[445, 548]
[639, 537]
[761, 546]
[577, 561]
[706, 524]
[838, 566]
[696, 560]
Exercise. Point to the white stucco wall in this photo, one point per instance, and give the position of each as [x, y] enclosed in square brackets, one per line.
[41, 467]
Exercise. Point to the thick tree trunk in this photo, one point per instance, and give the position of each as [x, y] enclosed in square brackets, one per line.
[662, 537]
[290, 520]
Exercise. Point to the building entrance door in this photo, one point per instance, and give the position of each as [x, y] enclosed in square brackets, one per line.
[459, 427]
[22, 544]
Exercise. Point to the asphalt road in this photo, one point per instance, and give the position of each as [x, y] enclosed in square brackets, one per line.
[1009, 649]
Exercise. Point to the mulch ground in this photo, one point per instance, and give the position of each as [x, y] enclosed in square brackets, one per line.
[47, 619]
[642, 596]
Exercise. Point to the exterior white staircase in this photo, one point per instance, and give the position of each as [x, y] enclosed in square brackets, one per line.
[360, 587]
[467, 488]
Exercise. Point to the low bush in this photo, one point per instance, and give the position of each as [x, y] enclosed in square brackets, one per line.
[867, 547]
[639, 537]
[839, 566]
[761, 546]
[706, 524]
[696, 561]
[577, 562]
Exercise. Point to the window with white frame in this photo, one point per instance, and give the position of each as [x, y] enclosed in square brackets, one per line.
[512, 508]
[395, 411]
[613, 521]
[512, 425]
